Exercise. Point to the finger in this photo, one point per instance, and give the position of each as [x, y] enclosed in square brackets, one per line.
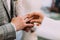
[26, 20]
[27, 29]
[35, 13]
[32, 30]
[35, 20]
[29, 25]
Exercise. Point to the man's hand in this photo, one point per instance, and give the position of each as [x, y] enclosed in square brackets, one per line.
[20, 23]
[37, 17]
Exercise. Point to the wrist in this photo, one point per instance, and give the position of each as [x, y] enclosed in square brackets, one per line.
[13, 25]
[42, 18]
[16, 26]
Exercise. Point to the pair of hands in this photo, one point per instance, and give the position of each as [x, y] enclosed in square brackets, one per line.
[21, 23]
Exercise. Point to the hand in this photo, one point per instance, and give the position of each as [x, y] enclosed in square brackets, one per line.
[20, 23]
[37, 17]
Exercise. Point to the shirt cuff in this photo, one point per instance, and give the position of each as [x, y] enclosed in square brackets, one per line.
[14, 26]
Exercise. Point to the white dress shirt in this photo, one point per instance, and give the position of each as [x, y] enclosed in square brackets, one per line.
[22, 8]
[49, 29]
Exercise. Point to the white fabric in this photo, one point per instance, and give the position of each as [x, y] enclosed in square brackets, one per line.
[26, 6]
[22, 8]
[49, 29]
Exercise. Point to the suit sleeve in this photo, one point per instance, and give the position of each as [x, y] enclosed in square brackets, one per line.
[7, 31]
[49, 29]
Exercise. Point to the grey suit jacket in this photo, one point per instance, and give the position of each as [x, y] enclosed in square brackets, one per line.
[7, 31]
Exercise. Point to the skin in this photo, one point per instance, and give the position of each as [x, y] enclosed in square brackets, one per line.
[20, 23]
[37, 17]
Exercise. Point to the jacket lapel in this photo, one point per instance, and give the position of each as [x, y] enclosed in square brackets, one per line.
[10, 12]
[7, 10]
[6, 6]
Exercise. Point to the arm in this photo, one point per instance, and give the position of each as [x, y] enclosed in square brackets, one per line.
[7, 31]
[49, 29]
